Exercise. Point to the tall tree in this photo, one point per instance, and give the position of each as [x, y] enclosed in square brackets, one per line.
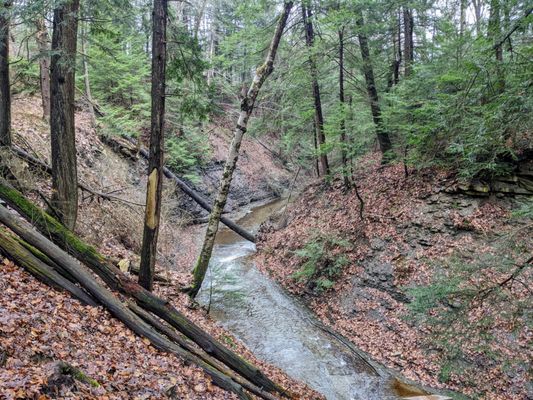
[344, 142]
[62, 128]
[394, 74]
[247, 106]
[408, 42]
[494, 33]
[368, 71]
[462, 17]
[157, 130]
[5, 93]
[43, 43]
[478, 5]
[319, 116]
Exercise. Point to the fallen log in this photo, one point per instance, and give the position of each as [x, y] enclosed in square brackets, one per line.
[201, 202]
[185, 188]
[119, 281]
[186, 344]
[114, 305]
[14, 250]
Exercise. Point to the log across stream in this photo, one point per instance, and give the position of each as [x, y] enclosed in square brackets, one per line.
[278, 328]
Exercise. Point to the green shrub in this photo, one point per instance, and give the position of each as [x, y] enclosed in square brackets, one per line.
[25, 76]
[321, 261]
[477, 308]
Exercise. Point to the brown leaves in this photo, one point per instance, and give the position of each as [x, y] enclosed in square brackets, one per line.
[40, 326]
[413, 225]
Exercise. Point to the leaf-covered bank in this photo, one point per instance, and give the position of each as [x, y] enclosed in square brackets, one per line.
[429, 282]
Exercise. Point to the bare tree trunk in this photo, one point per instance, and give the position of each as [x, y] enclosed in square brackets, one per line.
[199, 17]
[315, 143]
[319, 117]
[494, 33]
[13, 248]
[43, 41]
[408, 40]
[5, 91]
[344, 142]
[247, 106]
[462, 17]
[212, 46]
[86, 80]
[62, 128]
[394, 75]
[156, 162]
[478, 4]
[382, 135]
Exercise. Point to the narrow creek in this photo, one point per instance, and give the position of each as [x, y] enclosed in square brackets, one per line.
[277, 328]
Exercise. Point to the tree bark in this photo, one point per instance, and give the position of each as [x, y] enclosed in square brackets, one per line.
[5, 90]
[344, 142]
[462, 17]
[213, 44]
[315, 143]
[319, 117]
[199, 17]
[155, 162]
[247, 106]
[394, 74]
[382, 135]
[62, 128]
[477, 13]
[11, 247]
[43, 41]
[117, 280]
[408, 40]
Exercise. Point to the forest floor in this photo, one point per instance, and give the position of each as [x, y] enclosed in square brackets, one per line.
[411, 231]
[40, 327]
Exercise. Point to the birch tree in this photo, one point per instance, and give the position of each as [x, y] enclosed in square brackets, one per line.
[247, 106]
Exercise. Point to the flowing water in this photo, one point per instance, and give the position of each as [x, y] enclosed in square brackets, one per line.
[277, 328]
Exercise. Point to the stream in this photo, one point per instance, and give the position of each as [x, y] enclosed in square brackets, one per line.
[277, 327]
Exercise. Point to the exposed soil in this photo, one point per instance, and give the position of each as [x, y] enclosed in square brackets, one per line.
[260, 173]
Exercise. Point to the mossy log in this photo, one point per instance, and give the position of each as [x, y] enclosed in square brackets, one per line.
[119, 281]
[67, 369]
[13, 249]
[111, 302]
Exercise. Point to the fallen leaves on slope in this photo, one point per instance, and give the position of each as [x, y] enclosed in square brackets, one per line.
[40, 326]
[410, 226]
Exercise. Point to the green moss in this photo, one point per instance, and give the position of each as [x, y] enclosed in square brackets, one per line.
[47, 223]
[77, 374]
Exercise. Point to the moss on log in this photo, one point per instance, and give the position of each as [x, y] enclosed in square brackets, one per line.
[13, 249]
[119, 281]
[104, 296]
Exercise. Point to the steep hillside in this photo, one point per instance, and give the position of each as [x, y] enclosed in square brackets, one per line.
[41, 327]
[358, 275]
[116, 226]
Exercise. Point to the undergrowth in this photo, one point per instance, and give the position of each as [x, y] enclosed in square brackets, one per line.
[322, 261]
